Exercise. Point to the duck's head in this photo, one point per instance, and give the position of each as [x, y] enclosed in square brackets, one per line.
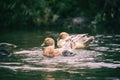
[63, 35]
[48, 42]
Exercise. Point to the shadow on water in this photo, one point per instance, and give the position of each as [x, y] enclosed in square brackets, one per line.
[100, 61]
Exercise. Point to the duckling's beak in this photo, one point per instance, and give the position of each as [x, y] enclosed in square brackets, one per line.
[43, 44]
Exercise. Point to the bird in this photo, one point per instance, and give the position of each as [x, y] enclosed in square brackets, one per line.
[78, 41]
[6, 49]
[50, 51]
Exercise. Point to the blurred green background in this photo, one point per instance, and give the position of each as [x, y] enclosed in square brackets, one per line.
[91, 16]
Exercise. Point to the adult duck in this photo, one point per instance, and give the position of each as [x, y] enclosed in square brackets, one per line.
[78, 41]
[50, 51]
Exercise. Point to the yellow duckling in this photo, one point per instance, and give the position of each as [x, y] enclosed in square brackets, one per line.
[64, 40]
[49, 50]
[78, 41]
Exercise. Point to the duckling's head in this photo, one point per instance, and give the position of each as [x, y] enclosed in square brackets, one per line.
[63, 35]
[48, 42]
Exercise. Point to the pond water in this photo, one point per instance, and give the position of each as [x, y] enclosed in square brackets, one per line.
[100, 61]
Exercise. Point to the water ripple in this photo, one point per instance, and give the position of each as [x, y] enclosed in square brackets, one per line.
[103, 52]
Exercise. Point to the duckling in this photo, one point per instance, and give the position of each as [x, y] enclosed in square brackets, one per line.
[6, 49]
[50, 51]
[78, 41]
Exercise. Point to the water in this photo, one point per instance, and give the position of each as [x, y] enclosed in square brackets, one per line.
[100, 61]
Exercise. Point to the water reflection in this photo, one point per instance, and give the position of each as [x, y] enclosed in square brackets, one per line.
[101, 60]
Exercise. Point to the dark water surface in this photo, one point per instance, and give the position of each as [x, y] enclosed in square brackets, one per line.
[100, 61]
